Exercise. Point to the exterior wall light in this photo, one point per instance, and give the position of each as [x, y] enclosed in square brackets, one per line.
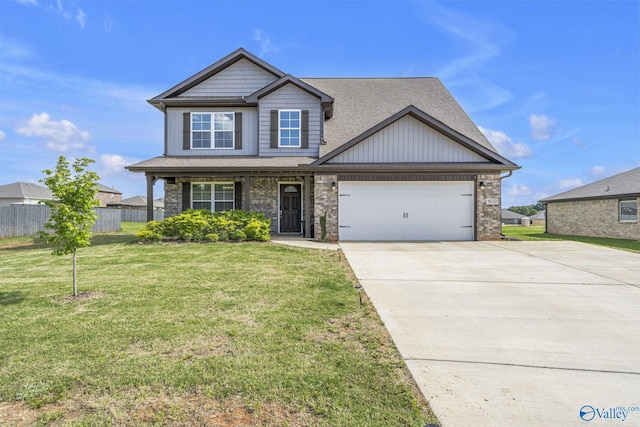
[334, 186]
[482, 185]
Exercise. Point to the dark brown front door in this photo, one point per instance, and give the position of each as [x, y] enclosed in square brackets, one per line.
[290, 212]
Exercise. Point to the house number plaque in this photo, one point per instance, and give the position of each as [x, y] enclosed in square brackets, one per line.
[493, 202]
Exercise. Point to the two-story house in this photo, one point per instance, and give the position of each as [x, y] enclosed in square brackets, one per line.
[377, 158]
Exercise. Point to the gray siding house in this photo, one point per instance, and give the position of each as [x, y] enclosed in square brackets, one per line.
[379, 158]
[605, 208]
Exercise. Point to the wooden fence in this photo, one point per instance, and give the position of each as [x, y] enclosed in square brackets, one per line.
[28, 220]
[140, 215]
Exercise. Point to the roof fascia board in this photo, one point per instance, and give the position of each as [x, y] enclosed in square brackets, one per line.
[207, 102]
[609, 196]
[429, 121]
[214, 68]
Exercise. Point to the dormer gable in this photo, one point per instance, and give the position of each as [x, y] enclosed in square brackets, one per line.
[326, 100]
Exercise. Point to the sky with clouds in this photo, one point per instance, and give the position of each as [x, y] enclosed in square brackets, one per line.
[554, 85]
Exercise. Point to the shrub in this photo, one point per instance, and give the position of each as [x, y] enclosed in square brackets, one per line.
[146, 235]
[206, 226]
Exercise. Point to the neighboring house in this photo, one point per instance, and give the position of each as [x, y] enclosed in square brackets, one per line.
[539, 219]
[605, 208]
[108, 195]
[23, 193]
[378, 158]
[511, 217]
[137, 203]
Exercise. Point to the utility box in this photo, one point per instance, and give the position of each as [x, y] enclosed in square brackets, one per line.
[525, 222]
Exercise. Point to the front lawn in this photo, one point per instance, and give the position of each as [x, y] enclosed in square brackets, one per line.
[537, 233]
[194, 334]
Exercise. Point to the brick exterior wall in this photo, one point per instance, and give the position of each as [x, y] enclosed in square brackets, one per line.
[595, 218]
[326, 202]
[488, 217]
[105, 198]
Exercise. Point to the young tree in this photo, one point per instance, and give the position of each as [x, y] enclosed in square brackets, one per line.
[72, 214]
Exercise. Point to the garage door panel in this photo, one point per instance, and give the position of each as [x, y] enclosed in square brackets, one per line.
[406, 210]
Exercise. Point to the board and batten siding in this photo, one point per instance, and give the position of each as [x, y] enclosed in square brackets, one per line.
[249, 132]
[290, 97]
[239, 79]
[407, 140]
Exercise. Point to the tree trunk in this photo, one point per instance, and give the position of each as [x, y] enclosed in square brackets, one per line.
[75, 289]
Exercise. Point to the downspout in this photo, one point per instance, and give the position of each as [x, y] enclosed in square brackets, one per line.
[501, 178]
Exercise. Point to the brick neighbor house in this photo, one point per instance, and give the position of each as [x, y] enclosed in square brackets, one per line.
[379, 158]
[605, 208]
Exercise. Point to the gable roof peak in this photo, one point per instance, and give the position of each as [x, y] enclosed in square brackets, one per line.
[213, 69]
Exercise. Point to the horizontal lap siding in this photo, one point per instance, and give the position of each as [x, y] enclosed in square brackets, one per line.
[239, 79]
[407, 140]
[290, 97]
[249, 132]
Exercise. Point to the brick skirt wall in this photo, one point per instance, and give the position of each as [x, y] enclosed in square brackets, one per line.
[595, 218]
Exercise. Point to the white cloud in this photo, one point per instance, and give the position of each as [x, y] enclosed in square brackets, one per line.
[31, 2]
[263, 39]
[2, 135]
[519, 190]
[80, 17]
[59, 135]
[568, 184]
[112, 163]
[597, 171]
[542, 127]
[505, 146]
[108, 24]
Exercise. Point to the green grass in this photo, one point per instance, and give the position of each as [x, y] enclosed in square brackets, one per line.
[537, 233]
[194, 334]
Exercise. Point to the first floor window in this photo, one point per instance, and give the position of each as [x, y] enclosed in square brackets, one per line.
[289, 128]
[628, 210]
[208, 127]
[213, 197]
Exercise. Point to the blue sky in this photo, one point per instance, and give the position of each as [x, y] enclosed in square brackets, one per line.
[553, 84]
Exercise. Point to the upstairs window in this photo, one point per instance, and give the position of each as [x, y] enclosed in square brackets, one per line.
[289, 128]
[628, 210]
[208, 127]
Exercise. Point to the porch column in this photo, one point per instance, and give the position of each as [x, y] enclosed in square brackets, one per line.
[150, 181]
[247, 193]
[307, 206]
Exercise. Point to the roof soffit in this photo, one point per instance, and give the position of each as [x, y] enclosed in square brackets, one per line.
[429, 121]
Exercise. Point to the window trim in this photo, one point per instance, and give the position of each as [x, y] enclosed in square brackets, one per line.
[212, 131]
[299, 128]
[213, 200]
[620, 202]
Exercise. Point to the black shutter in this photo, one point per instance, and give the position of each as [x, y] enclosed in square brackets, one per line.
[274, 129]
[186, 196]
[186, 131]
[237, 195]
[238, 136]
[304, 129]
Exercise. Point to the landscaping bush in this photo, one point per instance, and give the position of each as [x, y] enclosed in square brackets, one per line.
[206, 226]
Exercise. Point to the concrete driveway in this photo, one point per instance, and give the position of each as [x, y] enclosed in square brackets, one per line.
[512, 333]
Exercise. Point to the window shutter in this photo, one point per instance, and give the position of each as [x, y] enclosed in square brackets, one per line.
[304, 129]
[186, 131]
[186, 196]
[238, 136]
[274, 129]
[237, 194]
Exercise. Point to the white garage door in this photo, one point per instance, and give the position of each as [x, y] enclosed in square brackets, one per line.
[405, 210]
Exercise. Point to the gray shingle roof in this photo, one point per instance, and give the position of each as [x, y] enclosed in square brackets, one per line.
[25, 190]
[228, 162]
[624, 184]
[507, 214]
[362, 103]
[105, 189]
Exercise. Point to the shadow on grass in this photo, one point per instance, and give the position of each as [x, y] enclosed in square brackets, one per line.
[11, 297]
[24, 244]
